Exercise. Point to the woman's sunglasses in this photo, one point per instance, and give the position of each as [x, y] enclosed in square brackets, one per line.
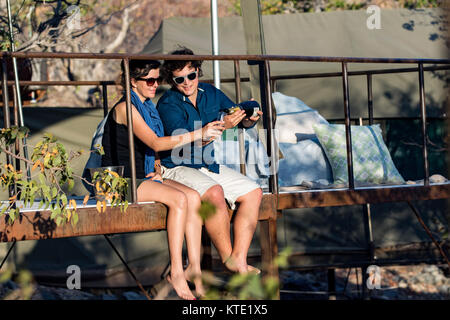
[191, 76]
[150, 81]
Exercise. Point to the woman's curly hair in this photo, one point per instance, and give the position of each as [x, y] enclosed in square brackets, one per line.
[138, 69]
[169, 66]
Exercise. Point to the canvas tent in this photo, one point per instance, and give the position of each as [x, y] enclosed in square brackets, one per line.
[403, 34]
[322, 236]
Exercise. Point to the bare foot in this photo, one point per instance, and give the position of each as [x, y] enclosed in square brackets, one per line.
[252, 269]
[234, 266]
[181, 287]
[196, 278]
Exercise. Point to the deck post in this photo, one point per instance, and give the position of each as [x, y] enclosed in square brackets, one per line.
[370, 98]
[126, 64]
[331, 276]
[105, 99]
[269, 247]
[207, 259]
[348, 131]
[241, 132]
[426, 180]
[6, 112]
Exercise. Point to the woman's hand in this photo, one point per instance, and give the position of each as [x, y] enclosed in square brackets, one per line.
[154, 176]
[232, 120]
[212, 130]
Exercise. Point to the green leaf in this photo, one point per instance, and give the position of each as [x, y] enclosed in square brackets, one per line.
[39, 144]
[71, 184]
[64, 199]
[207, 209]
[42, 178]
[75, 218]
[6, 275]
[12, 215]
[47, 196]
[54, 214]
[114, 182]
[237, 280]
[48, 136]
[56, 161]
[59, 220]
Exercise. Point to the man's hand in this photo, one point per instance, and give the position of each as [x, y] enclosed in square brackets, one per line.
[212, 130]
[232, 120]
[248, 122]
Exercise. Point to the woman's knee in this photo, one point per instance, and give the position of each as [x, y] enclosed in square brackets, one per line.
[178, 200]
[193, 198]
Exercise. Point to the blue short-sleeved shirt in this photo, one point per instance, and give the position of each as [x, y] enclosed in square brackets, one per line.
[177, 112]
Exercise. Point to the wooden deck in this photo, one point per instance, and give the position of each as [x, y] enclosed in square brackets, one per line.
[37, 225]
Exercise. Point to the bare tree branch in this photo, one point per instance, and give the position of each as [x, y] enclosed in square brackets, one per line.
[123, 31]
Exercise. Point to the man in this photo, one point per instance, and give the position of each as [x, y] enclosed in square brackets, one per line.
[187, 105]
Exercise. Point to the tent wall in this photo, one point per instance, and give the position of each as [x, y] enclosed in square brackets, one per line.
[404, 34]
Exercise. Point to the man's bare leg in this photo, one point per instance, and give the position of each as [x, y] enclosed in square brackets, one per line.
[244, 227]
[218, 225]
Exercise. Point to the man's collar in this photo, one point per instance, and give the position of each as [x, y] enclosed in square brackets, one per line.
[182, 96]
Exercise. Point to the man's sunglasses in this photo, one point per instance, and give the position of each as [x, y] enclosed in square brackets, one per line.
[191, 76]
[150, 81]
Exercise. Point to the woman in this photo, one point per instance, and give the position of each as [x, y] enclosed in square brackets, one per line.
[183, 203]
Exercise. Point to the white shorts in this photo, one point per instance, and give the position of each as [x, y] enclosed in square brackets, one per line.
[233, 183]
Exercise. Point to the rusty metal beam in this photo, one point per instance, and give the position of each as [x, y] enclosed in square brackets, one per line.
[37, 225]
[344, 197]
[242, 79]
[217, 57]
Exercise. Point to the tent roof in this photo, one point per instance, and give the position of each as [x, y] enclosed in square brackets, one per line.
[404, 34]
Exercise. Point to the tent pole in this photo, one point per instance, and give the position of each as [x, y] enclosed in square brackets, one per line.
[128, 268]
[424, 226]
[7, 254]
[215, 42]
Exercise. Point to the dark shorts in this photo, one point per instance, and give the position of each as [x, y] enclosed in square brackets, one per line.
[129, 191]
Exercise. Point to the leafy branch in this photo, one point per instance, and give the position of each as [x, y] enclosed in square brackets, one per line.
[50, 174]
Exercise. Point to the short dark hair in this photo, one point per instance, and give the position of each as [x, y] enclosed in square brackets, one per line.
[169, 66]
[138, 69]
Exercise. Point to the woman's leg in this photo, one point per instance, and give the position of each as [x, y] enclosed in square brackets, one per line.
[193, 233]
[176, 201]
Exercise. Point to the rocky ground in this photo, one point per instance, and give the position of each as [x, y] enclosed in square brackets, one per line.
[421, 282]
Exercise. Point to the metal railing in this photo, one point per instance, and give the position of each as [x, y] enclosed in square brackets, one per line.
[268, 83]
